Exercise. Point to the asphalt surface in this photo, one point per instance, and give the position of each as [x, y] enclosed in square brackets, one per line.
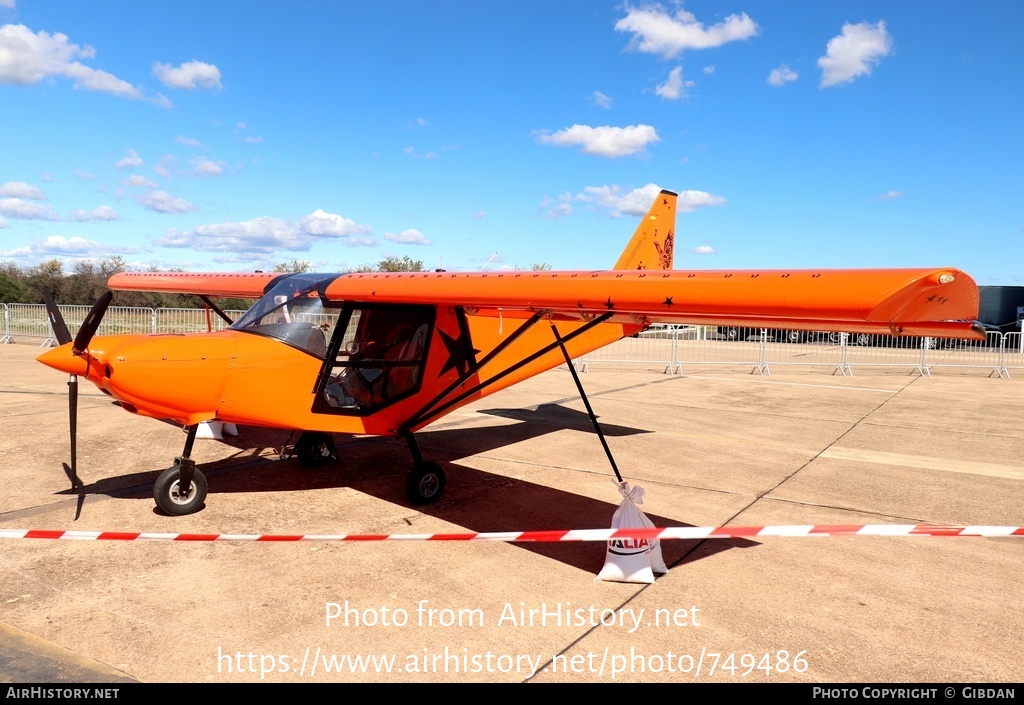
[715, 447]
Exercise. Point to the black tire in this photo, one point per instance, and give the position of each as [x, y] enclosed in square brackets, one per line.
[732, 333]
[425, 483]
[793, 336]
[168, 495]
[860, 338]
[315, 449]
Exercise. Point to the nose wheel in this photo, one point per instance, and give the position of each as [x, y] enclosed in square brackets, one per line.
[181, 489]
[179, 498]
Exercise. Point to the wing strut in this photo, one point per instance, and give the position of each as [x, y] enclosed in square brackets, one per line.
[431, 412]
[586, 403]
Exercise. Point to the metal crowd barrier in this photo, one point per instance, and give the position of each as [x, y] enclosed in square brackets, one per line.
[31, 321]
[677, 347]
[671, 347]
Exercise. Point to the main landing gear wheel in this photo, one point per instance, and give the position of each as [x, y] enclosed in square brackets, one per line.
[172, 499]
[315, 449]
[425, 483]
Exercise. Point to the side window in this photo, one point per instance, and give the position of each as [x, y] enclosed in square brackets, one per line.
[378, 359]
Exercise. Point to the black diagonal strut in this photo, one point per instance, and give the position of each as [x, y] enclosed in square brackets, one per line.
[586, 402]
[422, 413]
[430, 412]
[216, 309]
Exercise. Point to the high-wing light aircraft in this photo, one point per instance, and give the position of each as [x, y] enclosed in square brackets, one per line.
[387, 354]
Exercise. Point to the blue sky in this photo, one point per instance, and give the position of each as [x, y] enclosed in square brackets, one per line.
[236, 135]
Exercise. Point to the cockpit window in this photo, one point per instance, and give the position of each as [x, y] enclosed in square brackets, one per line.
[378, 358]
[293, 312]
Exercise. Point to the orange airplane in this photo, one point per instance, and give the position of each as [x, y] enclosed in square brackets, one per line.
[387, 354]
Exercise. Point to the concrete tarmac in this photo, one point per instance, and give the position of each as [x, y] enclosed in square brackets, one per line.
[715, 446]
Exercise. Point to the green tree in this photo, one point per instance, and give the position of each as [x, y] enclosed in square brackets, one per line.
[298, 266]
[402, 264]
[12, 289]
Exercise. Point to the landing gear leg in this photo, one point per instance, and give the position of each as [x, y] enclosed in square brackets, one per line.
[181, 489]
[425, 482]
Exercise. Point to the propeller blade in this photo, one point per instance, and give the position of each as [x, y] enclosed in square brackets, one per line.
[92, 322]
[60, 328]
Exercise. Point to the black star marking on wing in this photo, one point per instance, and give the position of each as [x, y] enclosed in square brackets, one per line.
[664, 201]
[930, 298]
[579, 304]
[459, 355]
[668, 301]
[609, 305]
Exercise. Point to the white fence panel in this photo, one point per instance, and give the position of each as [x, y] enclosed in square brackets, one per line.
[191, 320]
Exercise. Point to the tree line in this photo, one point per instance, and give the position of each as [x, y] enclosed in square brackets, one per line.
[87, 281]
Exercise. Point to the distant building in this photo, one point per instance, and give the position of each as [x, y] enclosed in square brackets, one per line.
[1002, 306]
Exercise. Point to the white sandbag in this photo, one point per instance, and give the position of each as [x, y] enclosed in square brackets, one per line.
[632, 560]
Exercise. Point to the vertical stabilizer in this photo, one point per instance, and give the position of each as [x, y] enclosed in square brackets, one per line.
[653, 243]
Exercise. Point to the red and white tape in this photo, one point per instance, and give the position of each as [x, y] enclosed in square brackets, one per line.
[672, 532]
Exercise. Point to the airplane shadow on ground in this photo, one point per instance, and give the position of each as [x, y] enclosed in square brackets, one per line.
[475, 499]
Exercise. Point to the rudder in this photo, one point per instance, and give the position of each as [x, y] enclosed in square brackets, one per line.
[652, 245]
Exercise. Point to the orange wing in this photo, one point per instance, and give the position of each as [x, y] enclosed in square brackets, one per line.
[244, 285]
[937, 302]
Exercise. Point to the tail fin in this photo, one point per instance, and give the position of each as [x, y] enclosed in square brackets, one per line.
[653, 242]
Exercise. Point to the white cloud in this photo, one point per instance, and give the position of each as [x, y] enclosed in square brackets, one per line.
[165, 165]
[138, 181]
[7, 3]
[77, 246]
[27, 57]
[4, 224]
[709, 69]
[320, 223]
[480, 215]
[601, 100]
[612, 199]
[675, 87]
[101, 214]
[241, 126]
[704, 250]
[163, 202]
[203, 167]
[638, 201]
[19, 189]
[557, 209]
[603, 141]
[188, 76]
[130, 160]
[692, 200]
[252, 140]
[266, 234]
[408, 237]
[781, 76]
[411, 151]
[188, 141]
[360, 242]
[854, 53]
[656, 32]
[27, 210]
[889, 195]
[84, 175]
